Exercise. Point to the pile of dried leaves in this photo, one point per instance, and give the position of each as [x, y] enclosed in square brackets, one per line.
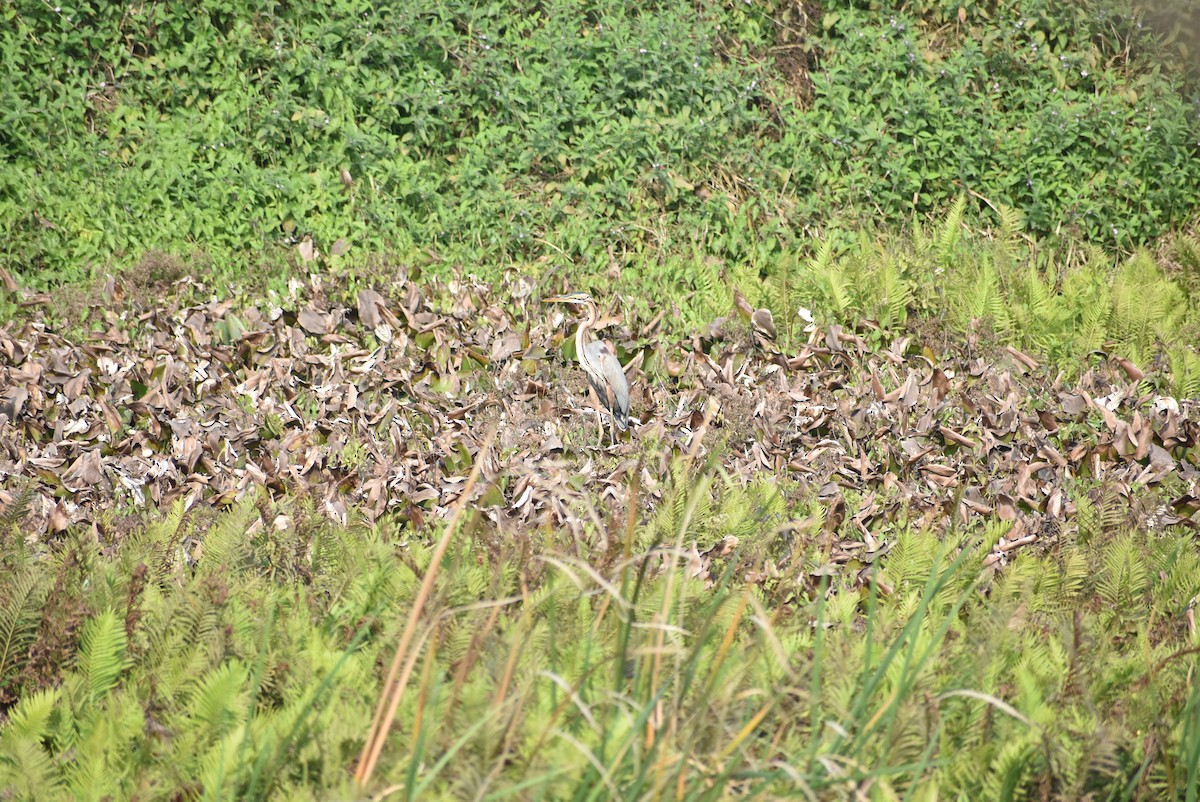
[379, 405]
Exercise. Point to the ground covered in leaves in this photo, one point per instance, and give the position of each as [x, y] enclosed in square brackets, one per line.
[375, 399]
[852, 561]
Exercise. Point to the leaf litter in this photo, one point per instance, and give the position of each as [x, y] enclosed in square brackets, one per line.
[377, 406]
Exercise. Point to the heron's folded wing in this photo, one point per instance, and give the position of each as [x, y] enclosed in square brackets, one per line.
[614, 391]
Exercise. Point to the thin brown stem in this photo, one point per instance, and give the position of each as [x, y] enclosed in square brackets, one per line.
[389, 701]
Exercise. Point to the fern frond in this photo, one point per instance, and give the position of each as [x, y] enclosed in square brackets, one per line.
[1177, 566]
[1125, 575]
[894, 294]
[1011, 224]
[982, 301]
[28, 772]
[1185, 371]
[102, 653]
[823, 259]
[949, 230]
[1091, 330]
[31, 717]
[13, 513]
[839, 292]
[1058, 587]
[218, 699]
[1185, 250]
[18, 620]
[225, 541]
[1146, 306]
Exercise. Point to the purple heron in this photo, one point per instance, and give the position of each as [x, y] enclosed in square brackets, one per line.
[599, 362]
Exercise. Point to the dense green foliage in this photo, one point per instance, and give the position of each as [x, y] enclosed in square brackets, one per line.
[229, 124]
[236, 658]
[1035, 105]
[581, 134]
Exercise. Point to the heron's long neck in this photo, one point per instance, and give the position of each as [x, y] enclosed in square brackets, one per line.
[581, 333]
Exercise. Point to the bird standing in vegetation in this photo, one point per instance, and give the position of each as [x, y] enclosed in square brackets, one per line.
[599, 362]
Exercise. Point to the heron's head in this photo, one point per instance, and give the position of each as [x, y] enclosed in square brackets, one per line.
[578, 298]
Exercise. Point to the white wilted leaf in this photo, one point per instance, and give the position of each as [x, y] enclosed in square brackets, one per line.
[306, 250]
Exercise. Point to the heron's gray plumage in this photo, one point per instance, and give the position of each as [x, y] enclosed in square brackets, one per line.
[599, 361]
[614, 390]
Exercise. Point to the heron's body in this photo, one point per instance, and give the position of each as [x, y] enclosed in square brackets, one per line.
[600, 363]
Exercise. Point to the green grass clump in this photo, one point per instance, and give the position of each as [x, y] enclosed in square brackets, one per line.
[241, 657]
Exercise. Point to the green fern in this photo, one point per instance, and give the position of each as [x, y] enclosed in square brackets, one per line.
[1185, 250]
[1146, 306]
[102, 653]
[28, 772]
[13, 513]
[19, 615]
[1058, 587]
[670, 517]
[826, 277]
[107, 731]
[918, 673]
[219, 697]
[1125, 575]
[822, 260]
[893, 293]
[1176, 564]
[948, 232]
[1094, 301]
[782, 296]
[1011, 226]
[1100, 513]
[1035, 311]
[1185, 371]
[911, 559]
[1009, 773]
[839, 293]
[982, 301]
[184, 639]
[225, 541]
[158, 545]
[30, 718]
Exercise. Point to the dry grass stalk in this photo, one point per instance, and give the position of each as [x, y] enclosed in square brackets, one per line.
[393, 687]
[654, 722]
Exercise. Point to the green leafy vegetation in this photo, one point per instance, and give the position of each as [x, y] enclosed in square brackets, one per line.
[1064, 304]
[576, 135]
[479, 131]
[206, 665]
[1055, 110]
